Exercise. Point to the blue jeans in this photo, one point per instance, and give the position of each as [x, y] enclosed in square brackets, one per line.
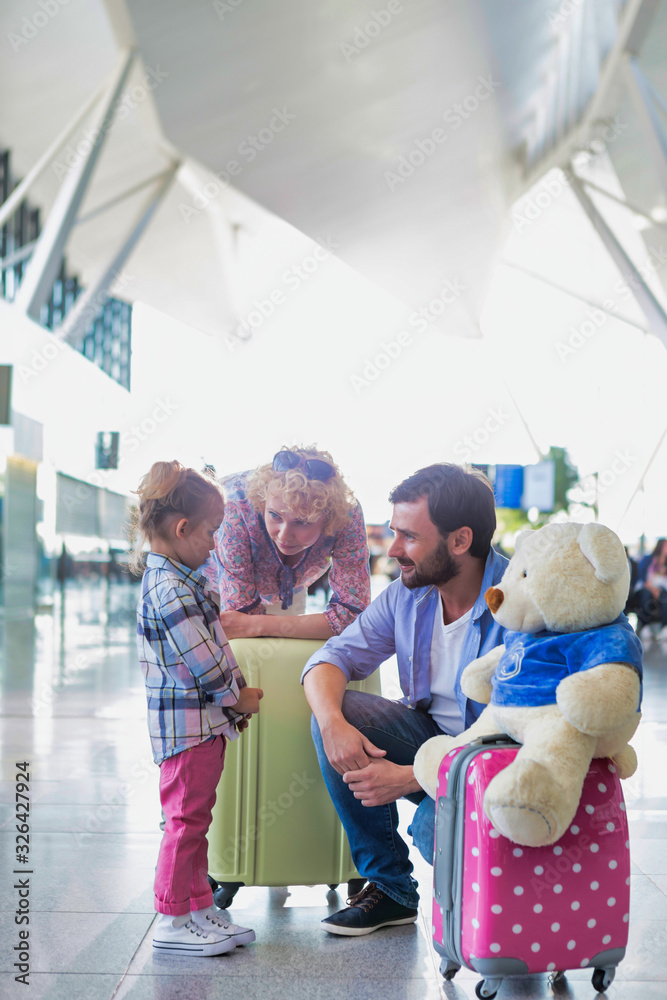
[380, 855]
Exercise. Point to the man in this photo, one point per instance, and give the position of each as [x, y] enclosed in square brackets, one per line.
[435, 619]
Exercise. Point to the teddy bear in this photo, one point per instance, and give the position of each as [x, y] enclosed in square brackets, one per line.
[566, 684]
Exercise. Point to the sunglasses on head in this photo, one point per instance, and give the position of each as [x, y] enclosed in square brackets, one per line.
[314, 468]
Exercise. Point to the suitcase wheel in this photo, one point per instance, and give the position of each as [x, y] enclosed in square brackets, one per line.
[486, 989]
[602, 978]
[225, 892]
[448, 969]
[333, 886]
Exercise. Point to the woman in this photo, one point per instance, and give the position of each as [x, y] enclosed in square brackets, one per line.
[651, 593]
[285, 524]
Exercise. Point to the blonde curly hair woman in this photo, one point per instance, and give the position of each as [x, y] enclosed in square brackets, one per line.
[286, 523]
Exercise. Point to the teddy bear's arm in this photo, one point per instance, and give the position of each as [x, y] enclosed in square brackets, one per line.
[600, 700]
[430, 754]
[476, 678]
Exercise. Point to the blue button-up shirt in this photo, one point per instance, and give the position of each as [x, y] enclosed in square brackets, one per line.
[400, 621]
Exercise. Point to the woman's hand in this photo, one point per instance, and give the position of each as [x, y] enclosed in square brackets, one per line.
[237, 625]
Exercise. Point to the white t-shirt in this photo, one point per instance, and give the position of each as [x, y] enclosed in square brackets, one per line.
[446, 649]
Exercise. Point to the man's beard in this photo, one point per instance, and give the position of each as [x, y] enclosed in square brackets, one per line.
[435, 571]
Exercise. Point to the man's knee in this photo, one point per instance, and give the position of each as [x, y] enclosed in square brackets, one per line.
[360, 708]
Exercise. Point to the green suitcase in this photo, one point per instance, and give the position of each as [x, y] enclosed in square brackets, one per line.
[273, 821]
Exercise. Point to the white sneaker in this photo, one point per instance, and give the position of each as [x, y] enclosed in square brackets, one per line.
[182, 936]
[212, 919]
[662, 634]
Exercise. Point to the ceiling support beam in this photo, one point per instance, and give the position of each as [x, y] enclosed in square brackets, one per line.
[118, 199]
[634, 209]
[20, 192]
[46, 260]
[89, 303]
[16, 256]
[575, 295]
[634, 24]
[649, 115]
[655, 314]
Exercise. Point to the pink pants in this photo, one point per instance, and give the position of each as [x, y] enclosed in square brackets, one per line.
[188, 781]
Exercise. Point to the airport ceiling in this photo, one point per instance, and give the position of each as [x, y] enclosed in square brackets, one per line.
[402, 131]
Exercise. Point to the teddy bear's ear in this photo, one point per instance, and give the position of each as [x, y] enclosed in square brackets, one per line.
[604, 551]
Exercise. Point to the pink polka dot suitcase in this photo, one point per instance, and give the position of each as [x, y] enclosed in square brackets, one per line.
[505, 910]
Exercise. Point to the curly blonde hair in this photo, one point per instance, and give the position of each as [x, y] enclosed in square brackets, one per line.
[307, 499]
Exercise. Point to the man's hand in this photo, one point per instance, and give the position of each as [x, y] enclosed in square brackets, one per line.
[381, 782]
[237, 625]
[347, 748]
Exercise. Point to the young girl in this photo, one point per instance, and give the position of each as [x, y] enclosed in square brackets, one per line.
[197, 699]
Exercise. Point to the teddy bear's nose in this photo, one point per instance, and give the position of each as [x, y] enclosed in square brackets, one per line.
[494, 598]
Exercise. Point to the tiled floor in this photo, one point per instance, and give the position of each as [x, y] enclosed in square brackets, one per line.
[73, 707]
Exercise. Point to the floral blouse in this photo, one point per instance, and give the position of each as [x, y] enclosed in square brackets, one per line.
[248, 573]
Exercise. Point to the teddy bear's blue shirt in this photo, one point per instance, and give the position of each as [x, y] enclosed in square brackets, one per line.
[532, 666]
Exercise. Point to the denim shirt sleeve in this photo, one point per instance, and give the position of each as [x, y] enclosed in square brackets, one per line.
[366, 643]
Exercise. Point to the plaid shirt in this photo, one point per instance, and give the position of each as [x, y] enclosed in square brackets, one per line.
[192, 678]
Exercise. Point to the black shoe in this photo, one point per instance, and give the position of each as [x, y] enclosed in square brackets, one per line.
[369, 910]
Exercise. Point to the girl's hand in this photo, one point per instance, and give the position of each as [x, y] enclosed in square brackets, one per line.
[237, 625]
[249, 699]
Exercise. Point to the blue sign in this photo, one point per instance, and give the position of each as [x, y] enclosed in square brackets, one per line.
[508, 487]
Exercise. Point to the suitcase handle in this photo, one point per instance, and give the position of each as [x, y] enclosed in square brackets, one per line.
[495, 739]
[443, 862]
[445, 824]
